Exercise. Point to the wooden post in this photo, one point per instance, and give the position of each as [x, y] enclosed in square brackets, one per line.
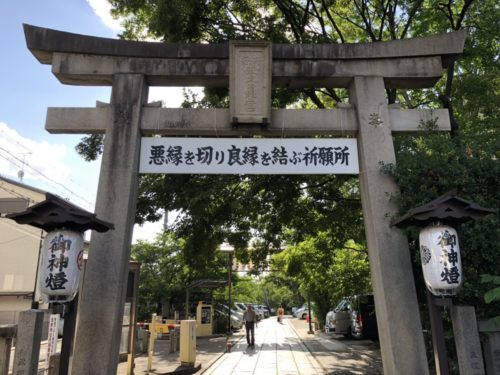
[54, 364]
[438, 343]
[68, 335]
[7, 333]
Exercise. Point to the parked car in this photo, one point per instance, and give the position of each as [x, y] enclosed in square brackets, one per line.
[258, 311]
[237, 313]
[220, 315]
[353, 317]
[338, 320]
[240, 306]
[329, 321]
[266, 311]
[302, 312]
[364, 320]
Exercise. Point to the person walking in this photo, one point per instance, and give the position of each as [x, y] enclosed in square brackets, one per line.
[250, 319]
[281, 312]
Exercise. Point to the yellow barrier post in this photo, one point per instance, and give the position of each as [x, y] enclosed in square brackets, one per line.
[152, 338]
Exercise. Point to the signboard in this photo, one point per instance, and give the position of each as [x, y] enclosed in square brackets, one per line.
[250, 81]
[60, 265]
[249, 155]
[52, 337]
[205, 314]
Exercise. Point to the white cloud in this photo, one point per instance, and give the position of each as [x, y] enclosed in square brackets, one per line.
[171, 96]
[36, 159]
[147, 232]
[103, 10]
[54, 168]
[48, 166]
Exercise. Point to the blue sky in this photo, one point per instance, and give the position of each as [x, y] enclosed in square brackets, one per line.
[27, 88]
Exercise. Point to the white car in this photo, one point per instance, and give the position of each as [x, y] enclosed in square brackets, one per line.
[302, 312]
[236, 323]
[240, 306]
[258, 311]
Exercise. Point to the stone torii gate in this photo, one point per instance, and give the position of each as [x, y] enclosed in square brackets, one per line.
[366, 70]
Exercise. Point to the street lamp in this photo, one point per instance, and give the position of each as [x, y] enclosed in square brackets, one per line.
[230, 252]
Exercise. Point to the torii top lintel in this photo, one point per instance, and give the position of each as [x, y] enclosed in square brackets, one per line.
[87, 60]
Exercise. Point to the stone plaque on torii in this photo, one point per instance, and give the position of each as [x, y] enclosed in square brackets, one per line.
[130, 67]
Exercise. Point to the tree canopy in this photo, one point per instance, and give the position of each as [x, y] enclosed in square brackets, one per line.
[321, 215]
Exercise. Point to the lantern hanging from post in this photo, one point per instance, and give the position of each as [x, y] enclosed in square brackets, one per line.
[440, 255]
[60, 266]
[62, 249]
[439, 249]
[441, 261]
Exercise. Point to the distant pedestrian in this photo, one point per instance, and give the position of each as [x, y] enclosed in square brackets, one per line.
[250, 319]
[281, 312]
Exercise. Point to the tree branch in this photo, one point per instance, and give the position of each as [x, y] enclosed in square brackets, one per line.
[291, 20]
[333, 94]
[416, 6]
[332, 21]
[362, 12]
[463, 12]
[320, 20]
[312, 95]
[364, 251]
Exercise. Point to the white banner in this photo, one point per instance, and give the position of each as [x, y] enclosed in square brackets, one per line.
[249, 155]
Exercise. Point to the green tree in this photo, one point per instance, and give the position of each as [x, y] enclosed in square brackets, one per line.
[161, 273]
[324, 271]
[278, 210]
[492, 295]
[234, 208]
[165, 273]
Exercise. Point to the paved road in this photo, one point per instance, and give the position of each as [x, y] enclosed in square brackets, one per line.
[278, 350]
[281, 349]
[339, 355]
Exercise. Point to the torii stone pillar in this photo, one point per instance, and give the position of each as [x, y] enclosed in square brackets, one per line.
[399, 327]
[101, 303]
[365, 69]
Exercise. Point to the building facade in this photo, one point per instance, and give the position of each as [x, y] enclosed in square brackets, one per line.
[19, 251]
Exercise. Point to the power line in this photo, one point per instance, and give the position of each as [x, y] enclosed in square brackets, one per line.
[45, 176]
[14, 239]
[19, 195]
[29, 150]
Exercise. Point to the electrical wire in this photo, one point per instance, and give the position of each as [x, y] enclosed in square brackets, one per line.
[12, 140]
[14, 239]
[44, 175]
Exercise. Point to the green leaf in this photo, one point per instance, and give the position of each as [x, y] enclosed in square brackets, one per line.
[492, 295]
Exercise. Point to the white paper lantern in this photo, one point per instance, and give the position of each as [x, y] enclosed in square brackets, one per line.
[441, 262]
[60, 266]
